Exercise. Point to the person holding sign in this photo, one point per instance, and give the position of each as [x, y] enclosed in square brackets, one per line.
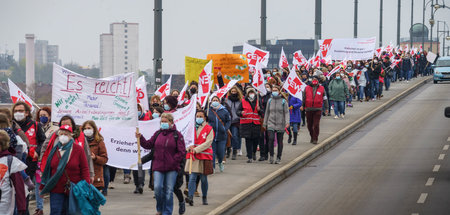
[201, 161]
[170, 150]
[66, 163]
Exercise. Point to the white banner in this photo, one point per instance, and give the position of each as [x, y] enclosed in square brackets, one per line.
[255, 55]
[121, 143]
[141, 92]
[431, 57]
[294, 85]
[108, 101]
[18, 95]
[350, 49]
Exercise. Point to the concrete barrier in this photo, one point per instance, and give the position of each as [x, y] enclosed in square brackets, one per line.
[244, 198]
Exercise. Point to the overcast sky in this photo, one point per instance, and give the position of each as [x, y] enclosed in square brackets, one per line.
[193, 27]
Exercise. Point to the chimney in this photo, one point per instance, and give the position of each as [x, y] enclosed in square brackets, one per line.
[29, 68]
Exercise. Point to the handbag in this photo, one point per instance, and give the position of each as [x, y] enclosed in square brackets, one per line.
[228, 131]
[208, 167]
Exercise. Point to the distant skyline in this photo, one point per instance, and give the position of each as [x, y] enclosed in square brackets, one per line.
[193, 28]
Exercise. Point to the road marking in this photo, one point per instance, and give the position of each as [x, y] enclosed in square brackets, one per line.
[415, 214]
[429, 182]
[448, 139]
[422, 198]
[441, 156]
[436, 168]
[446, 147]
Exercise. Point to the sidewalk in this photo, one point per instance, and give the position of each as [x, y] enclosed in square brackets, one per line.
[238, 174]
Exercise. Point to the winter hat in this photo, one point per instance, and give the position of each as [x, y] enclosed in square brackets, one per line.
[66, 127]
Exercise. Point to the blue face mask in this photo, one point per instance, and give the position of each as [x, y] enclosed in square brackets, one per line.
[166, 107]
[275, 94]
[155, 115]
[199, 120]
[43, 119]
[215, 104]
[338, 77]
[164, 125]
[139, 113]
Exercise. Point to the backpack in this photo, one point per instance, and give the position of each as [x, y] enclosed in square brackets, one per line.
[148, 157]
[9, 163]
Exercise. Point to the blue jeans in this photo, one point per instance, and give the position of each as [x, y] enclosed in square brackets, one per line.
[39, 200]
[193, 185]
[59, 204]
[219, 150]
[387, 82]
[375, 84]
[164, 184]
[106, 178]
[361, 92]
[409, 75]
[339, 107]
[295, 126]
[127, 171]
[236, 140]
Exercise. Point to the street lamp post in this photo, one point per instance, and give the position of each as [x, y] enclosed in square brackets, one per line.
[381, 23]
[398, 21]
[318, 25]
[263, 24]
[412, 22]
[431, 24]
[355, 22]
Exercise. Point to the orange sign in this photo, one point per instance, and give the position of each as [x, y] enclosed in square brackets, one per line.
[232, 67]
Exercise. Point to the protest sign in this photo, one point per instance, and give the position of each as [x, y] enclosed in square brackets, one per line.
[294, 85]
[108, 101]
[141, 92]
[17, 94]
[121, 143]
[350, 49]
[431, 57]
[193, 68]
[232, 67]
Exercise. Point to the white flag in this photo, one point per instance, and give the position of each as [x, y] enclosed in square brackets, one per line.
[205, 83]
[258, 80]
[298, 59]
[182, 95]
[224, 90]
[283, 63]
[164, 90]
[141, 92]
[294, 85]
[255, 55]
[18, 95]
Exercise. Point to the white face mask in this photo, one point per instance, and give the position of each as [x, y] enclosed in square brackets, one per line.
[88, 132]
[19, 116]
[64, 139]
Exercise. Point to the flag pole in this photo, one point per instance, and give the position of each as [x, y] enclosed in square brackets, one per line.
[140, 171]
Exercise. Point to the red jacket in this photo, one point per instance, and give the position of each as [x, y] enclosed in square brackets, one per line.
[77, 168]
[314, 101]
[207, 154]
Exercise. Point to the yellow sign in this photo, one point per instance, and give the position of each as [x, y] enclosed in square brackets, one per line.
[232, 67]
[193, 68]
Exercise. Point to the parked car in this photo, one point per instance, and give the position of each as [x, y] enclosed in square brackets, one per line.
[447, 112]
[441, 70]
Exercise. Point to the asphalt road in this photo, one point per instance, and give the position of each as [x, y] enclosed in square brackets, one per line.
[396, 164]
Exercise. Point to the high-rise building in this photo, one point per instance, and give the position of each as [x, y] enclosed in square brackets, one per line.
[43, 52]
[119, 49]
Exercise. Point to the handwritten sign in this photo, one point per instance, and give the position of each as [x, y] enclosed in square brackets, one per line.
[232, 67]
[108, 101]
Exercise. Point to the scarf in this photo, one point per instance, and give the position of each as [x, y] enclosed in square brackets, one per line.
[47, 179]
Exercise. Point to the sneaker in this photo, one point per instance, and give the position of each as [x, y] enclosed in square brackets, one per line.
[182, 207]
[221, 167]
[278, 161]
[197, 194]
[111, 185]
[239, 152]
[249, 161]
[262, 159]
[342, 116]
[336, 117]
[205, 200]
[271, 160]
[190, 200]
[350, 105]
[126, 179]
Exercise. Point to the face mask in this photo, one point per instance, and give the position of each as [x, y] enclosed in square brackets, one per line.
[88, 132]
[375, 61]
[338, 77]
[155, 104]
[166, 107]
[358, 65]
[367, 66]
[199, 120]
[215, 104]
[64, 139]
[139, 113]
[309, 79]
[155, 115]
[164, 125]
[274, 93]
[268, 89]
[193, 90]
[19, 116]
[252, 96]
[315, 82]
[43, 119]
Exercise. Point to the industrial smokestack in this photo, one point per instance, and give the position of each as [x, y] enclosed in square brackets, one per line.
[29, 68]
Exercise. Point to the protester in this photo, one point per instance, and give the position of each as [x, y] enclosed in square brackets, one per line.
[234, 100]
[294, 118]
[66, 162]
[170, 104]
[219, 118]
[264, 135]
[314, 98]
[169, 153]
[44, 116]
[202, 152]
[362, 79]
[12, 189]
[155, 101]
[276, 121]
[338, 94]
[250, 115]
[98, 152]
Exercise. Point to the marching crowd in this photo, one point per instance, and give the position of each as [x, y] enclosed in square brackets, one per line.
[52, 158]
